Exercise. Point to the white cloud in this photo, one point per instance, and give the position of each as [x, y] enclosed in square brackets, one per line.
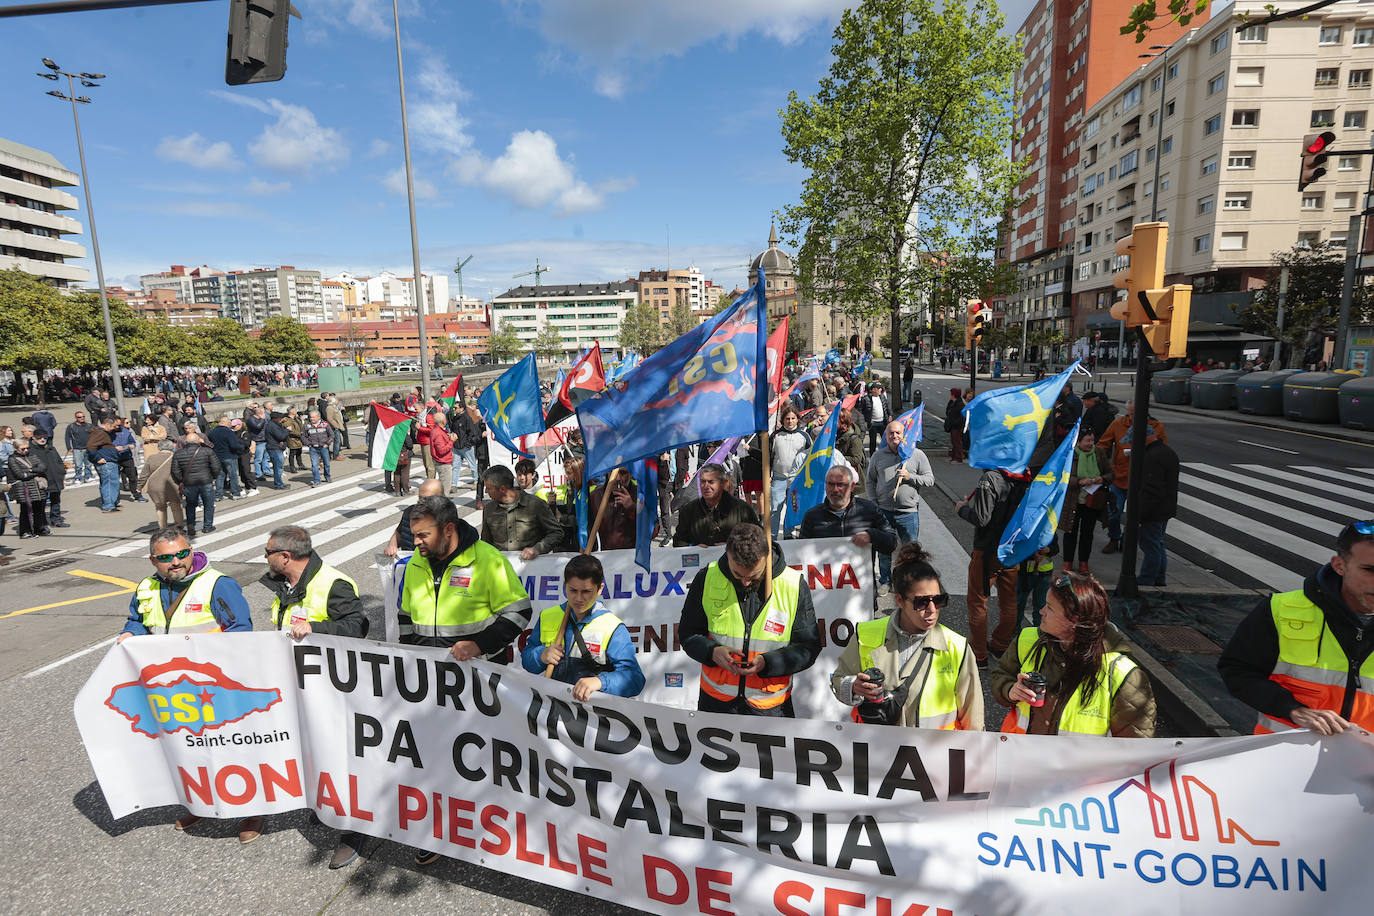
[264, 188]
[193, 149]
[295, 142]
[435, 123]
[377, 147]
[395, 182]
[533, 175]
[370, 16]
[610, 36]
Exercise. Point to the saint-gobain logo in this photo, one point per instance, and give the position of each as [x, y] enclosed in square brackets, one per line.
[182, 694]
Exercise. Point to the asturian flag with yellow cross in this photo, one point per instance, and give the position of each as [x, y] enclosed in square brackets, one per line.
[1035, 520]
[807, 489]
[511, 405]
[1004, 424]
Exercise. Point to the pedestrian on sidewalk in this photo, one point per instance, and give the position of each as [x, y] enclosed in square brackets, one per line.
[156, 480]
[6, 449]
[102, 453]
[1116, 444]
[876, 411]
[55, 473]
[908, 371]
[127, 445]
[334, 416]
[195, 467]
[228, 446]
[1085, 501]
[28, 489]
[466, 426]
[256, 421]
[293, 425]
[1305, 659]
[988, 508]
[74, 438]
[424, 428]
[276, 436]
[954, 424]
[318, 436]
[894, 484]
[439, 451]
[1158, 504]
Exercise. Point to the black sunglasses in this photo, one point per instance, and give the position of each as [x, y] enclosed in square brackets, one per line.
[169, 557]
[937, 601]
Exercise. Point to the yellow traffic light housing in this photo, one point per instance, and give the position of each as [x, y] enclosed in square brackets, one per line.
[1168, 335]
[977, 320]
[1146, 247]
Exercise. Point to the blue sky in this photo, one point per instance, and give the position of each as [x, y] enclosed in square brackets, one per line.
[591, 134]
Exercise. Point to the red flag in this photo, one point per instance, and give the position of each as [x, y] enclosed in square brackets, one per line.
[777, 343]
[587, 374]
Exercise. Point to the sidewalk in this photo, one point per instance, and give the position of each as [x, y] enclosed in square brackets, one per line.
[1177, 631]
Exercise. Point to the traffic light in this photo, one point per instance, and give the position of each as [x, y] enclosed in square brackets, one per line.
[1145, 246]
[1315, 149]
[1172, 306]
[257, 41]
[977, 321]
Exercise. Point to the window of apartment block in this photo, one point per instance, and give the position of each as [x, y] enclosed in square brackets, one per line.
[1111, 173]
[1347, 163]
[1202, 243]
[1323, 117]
[1209, 165]
[1168, 146]
[1313, 201]
[1129, 162]
[1150, 154]
[1216, 84]
[1310, 239]
[1236, 200]
[1329, 35]
[1163, 214]
[1131, 98]
[1364, 38]
[1173, 71]
[1337, 238]
[1245, 117]
[1154, 83]
[1249, 76]
[1148, 189]
[1220, 42]
[1359, 79]
[1328, 76]
[1163, 184]
[1354, 120]
[1241, 159]
[1343, 200]
[1169, 108]
[1154, 116]
[1206, 204]
[1233, 241]
[1254, 34]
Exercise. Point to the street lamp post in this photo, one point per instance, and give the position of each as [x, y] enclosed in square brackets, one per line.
[88, 80]
[414, 233]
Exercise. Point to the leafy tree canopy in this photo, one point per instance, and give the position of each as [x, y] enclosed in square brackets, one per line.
[548, 343]
[504, 344]
[1312, 304]
[286, 340]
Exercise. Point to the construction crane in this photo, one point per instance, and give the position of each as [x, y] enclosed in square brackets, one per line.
[534, 273]
[458, 269]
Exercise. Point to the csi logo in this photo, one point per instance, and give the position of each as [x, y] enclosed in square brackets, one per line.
[182, 694]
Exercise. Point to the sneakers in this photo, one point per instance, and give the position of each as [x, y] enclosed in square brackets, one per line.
[250, 828]
[426, 858]
[58, 523]
[884, 589]
[207, 529]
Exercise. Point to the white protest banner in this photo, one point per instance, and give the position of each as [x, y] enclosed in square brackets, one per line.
[839, 574]
[545, 447]
[672, 811]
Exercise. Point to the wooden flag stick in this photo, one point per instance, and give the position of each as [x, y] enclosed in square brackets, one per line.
[591, 536]
[768, 519]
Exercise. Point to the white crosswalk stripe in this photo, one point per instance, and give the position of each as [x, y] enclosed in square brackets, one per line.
[1363, 498]
[1264, 486]
[1296, 516]
[1337, 475]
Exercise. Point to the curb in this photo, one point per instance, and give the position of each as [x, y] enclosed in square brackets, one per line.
[1179, 701]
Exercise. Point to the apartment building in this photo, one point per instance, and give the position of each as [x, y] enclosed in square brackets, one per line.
[1219, 119]
[285, 291]
[1075, 55]
[666, 290]
[395, 293]
[32, 224]
[583, 313]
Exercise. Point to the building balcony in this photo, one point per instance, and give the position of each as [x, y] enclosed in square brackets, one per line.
[59, 199]
[41, 218]
[17, 239]
[53, 269]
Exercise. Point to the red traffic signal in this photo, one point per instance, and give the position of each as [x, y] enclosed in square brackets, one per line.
[1315, 149]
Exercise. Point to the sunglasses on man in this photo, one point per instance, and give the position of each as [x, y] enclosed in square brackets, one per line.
[169, 557]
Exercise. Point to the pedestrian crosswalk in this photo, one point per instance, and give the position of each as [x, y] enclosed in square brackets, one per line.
[1263, 526]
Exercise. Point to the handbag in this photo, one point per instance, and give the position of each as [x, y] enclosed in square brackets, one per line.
[1097, 499]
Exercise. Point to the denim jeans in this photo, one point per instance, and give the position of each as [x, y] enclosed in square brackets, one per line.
[228, 479]
[1153, 559]
[198, 494]
[777, 497]
[275, 457]
[319, 455]
[81, 465]
[908, 525]
[462, 456]
[109, 484]
[1116, 511]
[338, 443]
[260, 459]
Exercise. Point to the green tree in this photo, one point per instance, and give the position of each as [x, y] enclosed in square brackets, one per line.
[1312, 304]
[797, 341]
[905, 146]
[43, 328]
[223, 342]
[548, 343]
[640, 330]
[158, 344]
[286, 340]
[504, 344]
[680, 321]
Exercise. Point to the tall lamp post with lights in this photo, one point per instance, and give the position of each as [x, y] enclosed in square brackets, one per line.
[89, 80]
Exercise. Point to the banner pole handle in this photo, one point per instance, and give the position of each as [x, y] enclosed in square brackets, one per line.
[767, 505]
[591, 536]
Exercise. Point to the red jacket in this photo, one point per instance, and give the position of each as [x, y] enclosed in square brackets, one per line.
[422, 428]
[441, 446]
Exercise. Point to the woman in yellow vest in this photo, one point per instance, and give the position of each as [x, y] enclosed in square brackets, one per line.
[596, 652]
[1090, 686]
[930, 678]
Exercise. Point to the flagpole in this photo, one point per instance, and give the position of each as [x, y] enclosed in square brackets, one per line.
[768, 522]
[591, 536]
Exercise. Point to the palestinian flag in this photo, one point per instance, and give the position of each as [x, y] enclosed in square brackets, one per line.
[389, 437]
[453, 393]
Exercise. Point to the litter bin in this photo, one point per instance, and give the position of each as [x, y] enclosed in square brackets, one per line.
[1215, 389]
[1355, 400]
[1171, 386]
[1311, 396]
[1261, 393]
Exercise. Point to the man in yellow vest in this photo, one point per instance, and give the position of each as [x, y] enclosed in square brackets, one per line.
[459, 592]
[1303, 659]
[595, 652]
[749, 635]
[184, 595]
[310, 597]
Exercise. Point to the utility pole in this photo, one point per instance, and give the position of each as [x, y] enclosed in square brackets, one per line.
[1283, 299]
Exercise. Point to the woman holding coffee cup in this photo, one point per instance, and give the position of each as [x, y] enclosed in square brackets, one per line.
[1070, 676]
[907, 669]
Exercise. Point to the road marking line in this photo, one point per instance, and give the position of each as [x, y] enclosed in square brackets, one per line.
[128, 587]
[1273, 536]
[328, 515]
[1272, 448]
[1348, 495]
[1227, 554]
[1208, 488]
[363, 545]
[104, 643]
[1268, 489]
[101, 577]
[1336, 475]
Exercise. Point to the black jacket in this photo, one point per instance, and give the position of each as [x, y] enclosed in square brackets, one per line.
[257, 427]
[954, 415]
[52, 461]
[195, 465]
[699, 524]
[276, 435]
[226, 443]
[1159, 482]
[1251, 654]
[468, 432]
[346, 617]
[860, 515]
[990, 507]
[796, 656]
[865, 407]
[1099, 416]
[76, 435]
